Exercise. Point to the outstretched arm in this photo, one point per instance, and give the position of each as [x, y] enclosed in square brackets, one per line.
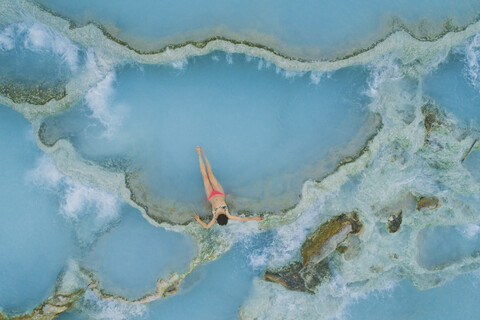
[257, 218]
[211, 223]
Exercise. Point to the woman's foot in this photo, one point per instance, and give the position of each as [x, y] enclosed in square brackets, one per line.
[199, 150]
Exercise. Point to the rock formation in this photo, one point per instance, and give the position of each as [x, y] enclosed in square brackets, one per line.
[307, 275]
[428, 203]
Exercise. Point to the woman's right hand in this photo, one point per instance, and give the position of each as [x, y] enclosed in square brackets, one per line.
[197, 217]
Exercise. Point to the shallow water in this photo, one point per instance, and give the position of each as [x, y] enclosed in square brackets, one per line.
[472, 163]
[454, 86]
[440, 246]
[285, 128]
[215, 290]
[35, 242]
[291, 28]
[134, 254]
[403, 301]
[111, 176]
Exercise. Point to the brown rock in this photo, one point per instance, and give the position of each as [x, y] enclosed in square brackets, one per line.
[352, 245]
[307, 275]
[433, 117]
[298, 277]
[328, 236]
[51, 307]
[288, 276]
[394, 222]
[428, 203]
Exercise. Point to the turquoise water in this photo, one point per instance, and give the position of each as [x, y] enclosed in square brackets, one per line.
[99, 178]
[29, 58]
[215, 290]
[294, 125]
[463, 95]
[35, 242]
[472, 163]
[405, 302]
[133, 255]
[48, 220]
[283, 25]
[439, 246]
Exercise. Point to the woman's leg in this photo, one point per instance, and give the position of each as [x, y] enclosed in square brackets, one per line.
[214, 182]
[206, 181]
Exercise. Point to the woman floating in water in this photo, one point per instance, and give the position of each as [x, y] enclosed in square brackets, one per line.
[215, 195]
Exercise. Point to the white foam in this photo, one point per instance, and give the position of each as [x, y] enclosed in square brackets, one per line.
[315, 77]
[45, 174]
[99, 101]
[39, 38]
[76, 198]
[229, 58]
[96, 64]
[472, 61]
[42, 39]
[386, 179]
[110, 310]
[288, 238]
[288, 74]
[384, 68]
[7, 38]
[180, 64]
[470, 231]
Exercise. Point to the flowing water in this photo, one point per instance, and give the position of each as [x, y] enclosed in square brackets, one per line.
[305, 112]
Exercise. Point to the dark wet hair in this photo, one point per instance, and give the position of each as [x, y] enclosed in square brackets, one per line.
[222, 219]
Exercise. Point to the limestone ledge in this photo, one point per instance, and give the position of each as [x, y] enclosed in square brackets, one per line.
[50, 308]
[307, 275]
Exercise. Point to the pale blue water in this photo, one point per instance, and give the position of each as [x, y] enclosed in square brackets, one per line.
[134, 254]
[274, 137]
[38, 237]
[440, 246]
[288, 26]
[27, 56]
[454, 300]
[280, 127]
[215, 290]
[462, 97]
[472, 163]
[35, 242]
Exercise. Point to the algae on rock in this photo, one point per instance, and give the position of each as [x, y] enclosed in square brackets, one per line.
[307, 275]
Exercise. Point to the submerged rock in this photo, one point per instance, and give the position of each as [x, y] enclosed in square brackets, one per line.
[307, 275]
[433, 117]
[33, 94]
[298, 277]
[394, 222]
[350, 248]
[325, 239]
[428, 203]
[51, 307]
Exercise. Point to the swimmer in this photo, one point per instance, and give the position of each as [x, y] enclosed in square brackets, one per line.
[215, 195]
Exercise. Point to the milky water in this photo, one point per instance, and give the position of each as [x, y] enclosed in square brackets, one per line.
[49, 222]
[293, 29]
[459, 73]
[35, 242]
[405, 302]
[282, 124]
[133, 255]
[106, 159]
[472, 163]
